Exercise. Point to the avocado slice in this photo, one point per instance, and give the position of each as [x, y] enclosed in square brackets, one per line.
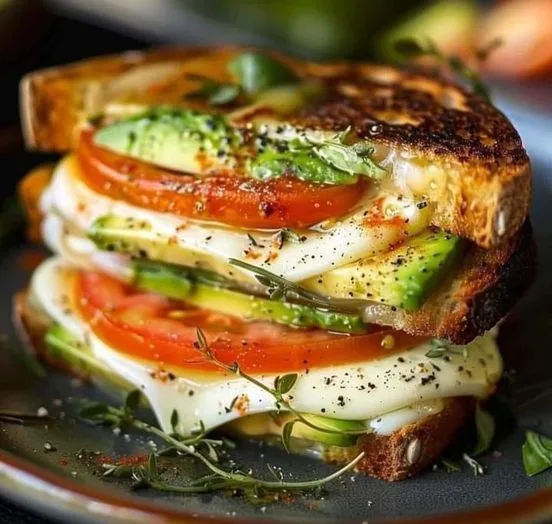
[175, 138]
[403, 277]
[271, 424]
[62, 346]
[206, 290]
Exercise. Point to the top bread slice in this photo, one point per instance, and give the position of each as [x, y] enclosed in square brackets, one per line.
[473, 167]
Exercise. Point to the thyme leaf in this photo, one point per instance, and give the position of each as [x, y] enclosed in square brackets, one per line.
[442, 348]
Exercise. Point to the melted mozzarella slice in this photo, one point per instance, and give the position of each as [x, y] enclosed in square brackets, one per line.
[387, 393]
[191, 242]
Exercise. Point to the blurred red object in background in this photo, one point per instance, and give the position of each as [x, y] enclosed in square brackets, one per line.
[525, 28]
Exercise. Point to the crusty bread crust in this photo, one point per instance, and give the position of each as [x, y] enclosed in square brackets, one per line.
[474, 297]
[481, 179]
[411, 448]
[400, 455]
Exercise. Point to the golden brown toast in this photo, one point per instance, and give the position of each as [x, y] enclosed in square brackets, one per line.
[400, 455]
[474, 297]
[462, 154]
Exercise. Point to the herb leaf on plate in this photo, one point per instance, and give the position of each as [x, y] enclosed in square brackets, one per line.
[536, 453]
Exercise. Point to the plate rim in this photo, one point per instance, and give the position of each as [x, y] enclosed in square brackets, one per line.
[20, 479]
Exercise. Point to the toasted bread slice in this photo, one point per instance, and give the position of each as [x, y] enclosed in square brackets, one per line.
[474, 297]
[440, 142]
[410, 449]
[400, 455]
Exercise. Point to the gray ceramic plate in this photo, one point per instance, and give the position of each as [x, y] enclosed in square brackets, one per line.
[61, 484]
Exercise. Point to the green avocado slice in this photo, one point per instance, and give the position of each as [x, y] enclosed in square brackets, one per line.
[403, 277]
[203, 290]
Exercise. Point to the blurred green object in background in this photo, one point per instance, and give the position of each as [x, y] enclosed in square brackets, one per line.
[448, 23]
[344, 28]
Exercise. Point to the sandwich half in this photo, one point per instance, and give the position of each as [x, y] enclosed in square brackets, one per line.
[347, 235]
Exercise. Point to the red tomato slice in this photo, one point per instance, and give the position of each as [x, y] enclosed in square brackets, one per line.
[153, 328]
[230, 199]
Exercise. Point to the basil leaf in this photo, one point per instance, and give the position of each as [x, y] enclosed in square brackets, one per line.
[256, 72]
[485, 426]
[354, 159]
[536, 453]
[303, 165]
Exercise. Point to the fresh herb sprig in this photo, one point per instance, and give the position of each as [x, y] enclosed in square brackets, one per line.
[355, 159]
[218, 478]
[282, 385]
[281, 288]
[536, 453]
[411, 48]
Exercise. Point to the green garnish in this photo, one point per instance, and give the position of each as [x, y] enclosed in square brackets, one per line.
[257, 72]
[304, 165]
[485, 427]
[352, 159]
[254, 72]
[443, 348]
[281, 288]
[330, 161]
[205, 451]
[282, 385]
[536, 453]
[216, 93]
[411, 48]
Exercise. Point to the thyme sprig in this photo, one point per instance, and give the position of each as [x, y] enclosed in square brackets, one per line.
[282, 386]
[218, 477]
[280, 288]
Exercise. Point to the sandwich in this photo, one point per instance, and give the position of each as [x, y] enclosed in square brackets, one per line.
[277, 249]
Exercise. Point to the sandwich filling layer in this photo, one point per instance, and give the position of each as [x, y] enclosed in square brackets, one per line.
[383, 389]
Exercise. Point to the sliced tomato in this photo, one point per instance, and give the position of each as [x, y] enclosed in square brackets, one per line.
[227, 198]
[153, 328]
